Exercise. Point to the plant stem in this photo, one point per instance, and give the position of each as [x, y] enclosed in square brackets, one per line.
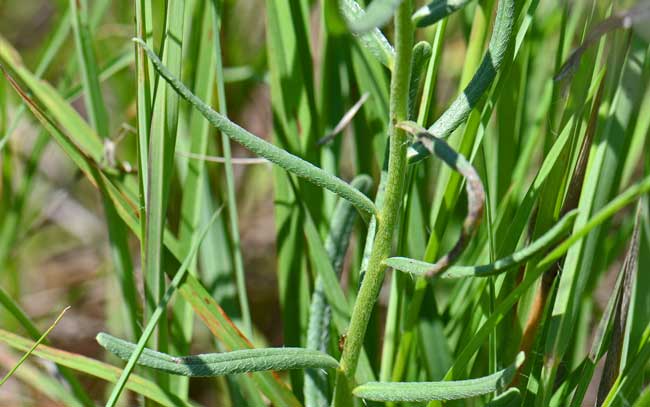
[388, 215]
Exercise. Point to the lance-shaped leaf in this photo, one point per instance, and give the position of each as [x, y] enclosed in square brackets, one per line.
[427, 391]
[219, 364]
[263, 148]
[474, 187]
[459, 110]
[419, 61]
[516, 259]
[436, 11]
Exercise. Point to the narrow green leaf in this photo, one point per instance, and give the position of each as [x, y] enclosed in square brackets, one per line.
[474, 187]
[516, 259]
[263, 148]
[615, 350]
[620, 388]
[31, 350]
[419, 61]
[160, 166]
[160, 309]
[426, 391]
[219, 364]
[230, 183]
[459, 110]
[88, 67]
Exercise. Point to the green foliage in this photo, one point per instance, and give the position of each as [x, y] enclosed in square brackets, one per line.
[538, 112]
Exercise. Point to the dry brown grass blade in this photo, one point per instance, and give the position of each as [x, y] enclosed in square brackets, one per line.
[615, 350]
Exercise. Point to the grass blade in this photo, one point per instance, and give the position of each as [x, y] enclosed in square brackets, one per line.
[31, 350]
[160, 159]
[612, 366]
[459, 110]
[159, 310]
[94, 368]
[230, 182]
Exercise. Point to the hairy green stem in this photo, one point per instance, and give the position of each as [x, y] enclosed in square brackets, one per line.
[397, 162]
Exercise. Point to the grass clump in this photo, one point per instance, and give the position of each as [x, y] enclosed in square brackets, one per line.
[490, 202]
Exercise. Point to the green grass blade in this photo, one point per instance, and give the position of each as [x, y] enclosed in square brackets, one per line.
[144, 101]
[614, 359]
[230, 182]
[94, 368]
[160, 309]
[618, 393]
[88, 67]
[118, 238]
[164, 127]
[31, 350]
